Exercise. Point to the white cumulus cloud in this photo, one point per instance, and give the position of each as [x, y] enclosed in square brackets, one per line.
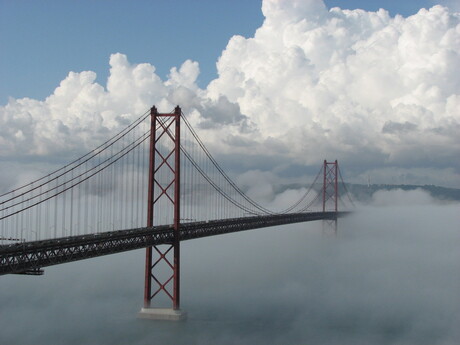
[354, 85]
[379, 93]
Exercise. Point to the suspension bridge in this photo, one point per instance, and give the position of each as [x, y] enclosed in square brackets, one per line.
[152, 185]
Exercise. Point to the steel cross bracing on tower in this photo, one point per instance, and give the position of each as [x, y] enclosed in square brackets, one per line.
[154, 183]
[165, 159]
[330, 184]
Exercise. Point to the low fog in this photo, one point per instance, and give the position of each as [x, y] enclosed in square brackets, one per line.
[389, 276]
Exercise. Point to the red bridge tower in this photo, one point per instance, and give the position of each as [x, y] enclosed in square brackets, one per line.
[164, 191]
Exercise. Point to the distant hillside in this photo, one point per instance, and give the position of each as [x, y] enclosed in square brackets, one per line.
[364, 192]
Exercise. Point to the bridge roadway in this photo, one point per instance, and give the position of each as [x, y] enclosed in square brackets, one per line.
[31, 257]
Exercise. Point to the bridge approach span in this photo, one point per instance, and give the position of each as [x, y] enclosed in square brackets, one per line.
[30, 257]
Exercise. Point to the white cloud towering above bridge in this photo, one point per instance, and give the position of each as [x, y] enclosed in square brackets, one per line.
[380, 93]
[360, 86]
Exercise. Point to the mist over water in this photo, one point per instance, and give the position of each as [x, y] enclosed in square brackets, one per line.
[390, 276]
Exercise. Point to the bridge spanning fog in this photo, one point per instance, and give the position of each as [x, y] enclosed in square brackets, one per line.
[152, 185]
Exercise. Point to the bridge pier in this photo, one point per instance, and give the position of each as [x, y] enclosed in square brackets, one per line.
[164, 191]
[165, 314]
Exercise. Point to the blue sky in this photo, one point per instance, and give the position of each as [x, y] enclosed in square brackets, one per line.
[41, 41]
[385, 90]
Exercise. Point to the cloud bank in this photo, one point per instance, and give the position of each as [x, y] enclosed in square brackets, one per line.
[361, 86]
[379, 93]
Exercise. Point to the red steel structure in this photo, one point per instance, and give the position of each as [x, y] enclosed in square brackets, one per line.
[163, 231]
[330, 184]
[164, 188]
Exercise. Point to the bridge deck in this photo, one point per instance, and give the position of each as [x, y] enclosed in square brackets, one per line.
[31, 256]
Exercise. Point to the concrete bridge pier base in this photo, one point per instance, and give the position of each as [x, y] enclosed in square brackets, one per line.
[165, 314]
